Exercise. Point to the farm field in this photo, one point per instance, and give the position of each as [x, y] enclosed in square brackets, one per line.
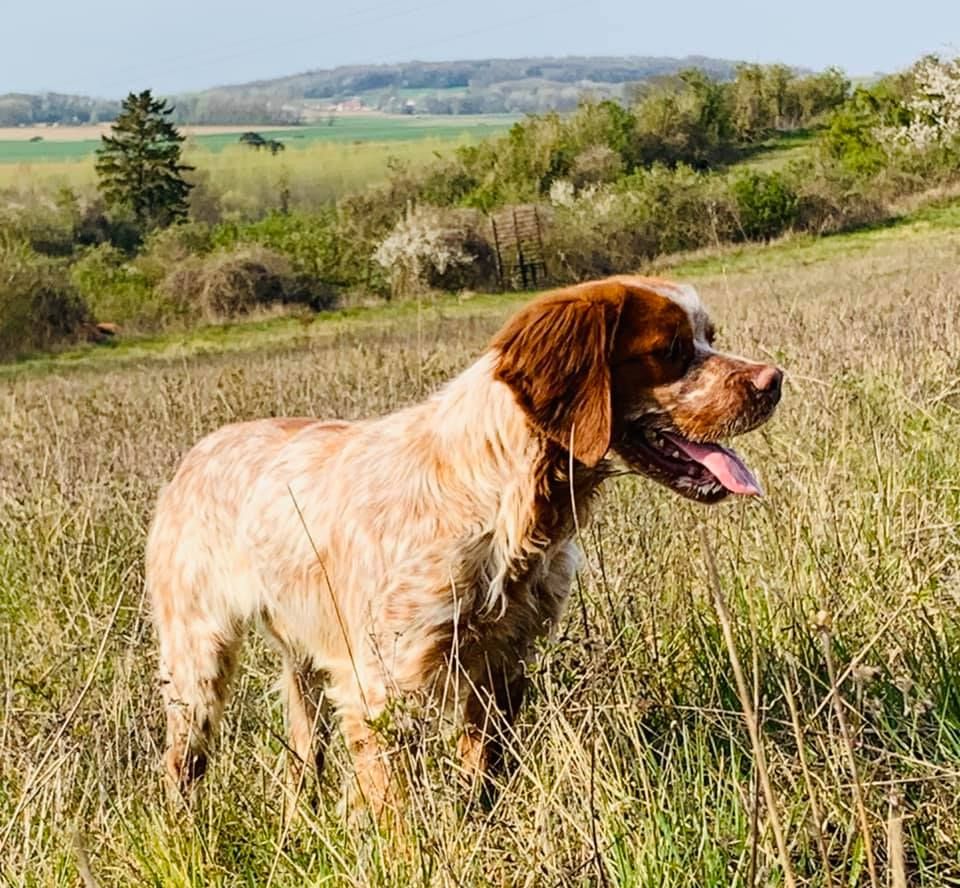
[634, 766]
[320, 164]
[74, 143]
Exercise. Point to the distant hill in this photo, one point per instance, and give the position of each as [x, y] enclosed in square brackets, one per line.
[24, 109]
[484, 86]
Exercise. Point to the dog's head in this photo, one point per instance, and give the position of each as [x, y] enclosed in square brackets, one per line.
[628, 365]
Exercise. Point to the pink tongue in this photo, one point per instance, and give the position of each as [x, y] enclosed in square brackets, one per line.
[722, 463]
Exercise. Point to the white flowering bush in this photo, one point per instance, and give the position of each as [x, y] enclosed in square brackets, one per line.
[934, 108]
[425, 245]
[562, 193]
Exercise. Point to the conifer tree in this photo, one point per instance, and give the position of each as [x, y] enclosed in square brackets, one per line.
[139, 164]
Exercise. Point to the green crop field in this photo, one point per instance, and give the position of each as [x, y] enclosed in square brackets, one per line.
[345, 128]
[633, 765]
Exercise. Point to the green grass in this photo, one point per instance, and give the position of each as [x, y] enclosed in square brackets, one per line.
[263, 333]
[634, 760]
[345, 128]
[634, 765]
[940, 221]
[777, 152]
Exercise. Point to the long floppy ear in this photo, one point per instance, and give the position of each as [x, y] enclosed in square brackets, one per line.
[555, 355]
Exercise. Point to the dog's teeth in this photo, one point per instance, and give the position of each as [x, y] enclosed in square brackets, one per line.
[675, 453]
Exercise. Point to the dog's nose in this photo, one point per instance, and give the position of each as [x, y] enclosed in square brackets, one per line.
[768, 380]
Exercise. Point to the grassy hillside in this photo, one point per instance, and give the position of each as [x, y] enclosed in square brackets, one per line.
[634, 764]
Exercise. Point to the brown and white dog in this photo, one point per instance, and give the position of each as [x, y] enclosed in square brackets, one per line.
[424, 552]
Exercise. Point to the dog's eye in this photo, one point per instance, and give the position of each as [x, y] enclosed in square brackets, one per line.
[674, 351]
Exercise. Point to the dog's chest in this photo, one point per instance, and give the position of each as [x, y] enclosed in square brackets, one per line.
[503, 628]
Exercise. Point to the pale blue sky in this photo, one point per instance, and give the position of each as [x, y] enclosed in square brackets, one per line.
[108, 47]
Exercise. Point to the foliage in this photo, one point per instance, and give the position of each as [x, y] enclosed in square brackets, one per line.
[139, 165]
[767, 205]
[38, 306]
[613, 228]
[768, 98]
[228, 283]
[852, 135]
[310, 242]
[256, 141]
[429, 246]
[933, 108]
[122, 289]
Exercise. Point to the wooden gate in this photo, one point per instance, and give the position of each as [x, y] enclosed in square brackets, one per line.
[518, 239]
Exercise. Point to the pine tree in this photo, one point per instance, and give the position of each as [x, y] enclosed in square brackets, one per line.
[139, 164]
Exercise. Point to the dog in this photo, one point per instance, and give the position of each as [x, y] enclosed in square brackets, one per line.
[423, 553]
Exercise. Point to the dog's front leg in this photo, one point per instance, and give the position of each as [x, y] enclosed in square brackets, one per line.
[489, 714]
[373, 780]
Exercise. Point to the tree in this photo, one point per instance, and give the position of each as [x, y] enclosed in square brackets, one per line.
[139, 165]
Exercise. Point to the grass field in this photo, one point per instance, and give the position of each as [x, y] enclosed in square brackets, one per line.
[635, 767]
[77, 143]
[320, 164]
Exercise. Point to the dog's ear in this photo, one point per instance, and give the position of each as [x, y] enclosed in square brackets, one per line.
[555, 355]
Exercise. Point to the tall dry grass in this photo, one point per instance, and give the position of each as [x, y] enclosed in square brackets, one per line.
[839, 598]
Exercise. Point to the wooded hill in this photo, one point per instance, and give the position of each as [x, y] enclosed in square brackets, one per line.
[483, 86]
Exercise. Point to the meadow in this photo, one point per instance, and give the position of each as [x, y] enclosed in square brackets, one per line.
[318, 165]
[72, 143]
[640, 759]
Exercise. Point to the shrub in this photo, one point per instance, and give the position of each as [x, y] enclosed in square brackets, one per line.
[610, 229]
[310, 242]
[47, 227]
[115, 288]
[596, 165]
[430, 247]
[766, 204]
[830, 198]
[38, 305]
[227, 283]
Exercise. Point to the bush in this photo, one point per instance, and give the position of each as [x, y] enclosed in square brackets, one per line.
[611, 229]
[228, 283]
[596, 165]
[122, 290]
[43, 225]
[831, 199]
[767, 205]
[38, 305]
[125, 290]
[431, 247]
[310, 242]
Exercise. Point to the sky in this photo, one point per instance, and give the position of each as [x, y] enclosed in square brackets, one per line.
[110, 47]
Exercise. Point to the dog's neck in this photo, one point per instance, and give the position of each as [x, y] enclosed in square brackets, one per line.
[520, 481]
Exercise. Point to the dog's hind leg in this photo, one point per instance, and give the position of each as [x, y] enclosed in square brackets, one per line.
[308, 723]
[198, 654]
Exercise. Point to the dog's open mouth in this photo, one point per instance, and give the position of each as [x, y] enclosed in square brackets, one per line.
[705, 472]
